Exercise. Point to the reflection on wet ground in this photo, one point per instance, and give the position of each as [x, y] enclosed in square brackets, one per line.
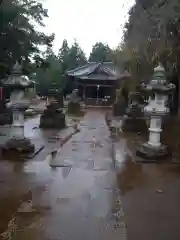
[18, 178]
[85, 198]
[149, 192]
[79, 200]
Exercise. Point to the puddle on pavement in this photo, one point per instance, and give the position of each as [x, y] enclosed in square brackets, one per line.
[130, 176]
[76, 182]
[68, 184]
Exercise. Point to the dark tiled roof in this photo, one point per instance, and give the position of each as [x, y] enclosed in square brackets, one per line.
[83, 70]
[108, 70]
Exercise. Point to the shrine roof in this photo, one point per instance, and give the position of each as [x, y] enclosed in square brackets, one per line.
[93, 70]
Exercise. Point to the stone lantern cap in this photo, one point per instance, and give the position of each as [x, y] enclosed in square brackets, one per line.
[158, 82]
[17, 79]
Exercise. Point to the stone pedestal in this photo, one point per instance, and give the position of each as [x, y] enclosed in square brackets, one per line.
[134, 120]
[153, 149]
[52, 118]
[152, 153]
[155, 131]
[18, 141]
[17, 127]
[22, 145]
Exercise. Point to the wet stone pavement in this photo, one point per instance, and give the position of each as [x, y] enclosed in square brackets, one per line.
[150, 194]
[79, 200]
[94, 195]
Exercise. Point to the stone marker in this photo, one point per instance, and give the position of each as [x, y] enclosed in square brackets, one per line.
[134, 119]
[120, 104]
[53, 116]
[74, 106]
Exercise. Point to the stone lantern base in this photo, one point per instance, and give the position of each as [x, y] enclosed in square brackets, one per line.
[153, 154]
[21, 145]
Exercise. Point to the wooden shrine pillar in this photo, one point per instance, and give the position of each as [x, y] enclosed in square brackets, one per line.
[84, 92]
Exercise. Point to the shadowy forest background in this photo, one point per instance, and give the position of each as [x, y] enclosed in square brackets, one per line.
[151, 35]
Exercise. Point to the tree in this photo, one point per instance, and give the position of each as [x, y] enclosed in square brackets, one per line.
[50, 74]
[71, 57]
[76, 56]
[19, 38]
[63, 56]
[153, 32]
[100, 53]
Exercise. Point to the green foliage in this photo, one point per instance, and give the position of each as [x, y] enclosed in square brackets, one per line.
[63, 55]
[19, 39]
[100, 53]
[49, 76]
[53, 69]
[153, 32]
[75, 57]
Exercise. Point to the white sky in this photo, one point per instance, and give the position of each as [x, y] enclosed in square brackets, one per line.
[87, 21]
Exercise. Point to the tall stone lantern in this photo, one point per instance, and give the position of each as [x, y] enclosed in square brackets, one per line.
[158, 89]
[19, 102]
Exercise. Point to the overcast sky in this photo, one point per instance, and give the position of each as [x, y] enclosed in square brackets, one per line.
[87, 21]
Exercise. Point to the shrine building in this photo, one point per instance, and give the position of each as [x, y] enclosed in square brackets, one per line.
[97, 82]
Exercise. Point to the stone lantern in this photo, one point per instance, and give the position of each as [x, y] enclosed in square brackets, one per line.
[19, 102]
[158, 89]
[53, 116]
[74, 106]
[134, 118]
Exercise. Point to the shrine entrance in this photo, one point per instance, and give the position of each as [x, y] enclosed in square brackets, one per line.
[97, 92]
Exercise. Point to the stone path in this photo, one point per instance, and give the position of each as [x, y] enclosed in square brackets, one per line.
[79, 200]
